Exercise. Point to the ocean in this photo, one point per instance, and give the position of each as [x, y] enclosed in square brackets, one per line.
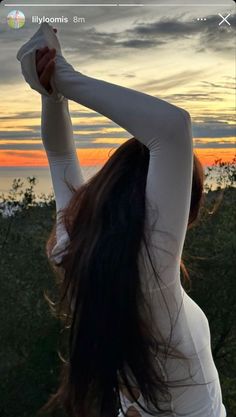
[43, 178]
[42, 174]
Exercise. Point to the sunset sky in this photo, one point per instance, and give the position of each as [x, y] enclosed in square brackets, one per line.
[160, 50]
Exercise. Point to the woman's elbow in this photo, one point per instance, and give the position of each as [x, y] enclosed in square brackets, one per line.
[179, 124]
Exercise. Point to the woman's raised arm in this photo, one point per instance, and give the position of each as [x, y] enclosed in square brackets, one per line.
[166, 130]
[58, 141]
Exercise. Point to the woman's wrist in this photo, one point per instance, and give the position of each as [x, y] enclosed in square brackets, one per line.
[51, 99]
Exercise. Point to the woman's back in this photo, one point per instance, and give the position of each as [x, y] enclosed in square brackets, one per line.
[166, 131]
[190, 337]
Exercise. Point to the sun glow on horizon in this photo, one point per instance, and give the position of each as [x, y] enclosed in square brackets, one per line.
[98, 156]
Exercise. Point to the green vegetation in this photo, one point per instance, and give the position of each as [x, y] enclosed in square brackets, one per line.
[30, 335]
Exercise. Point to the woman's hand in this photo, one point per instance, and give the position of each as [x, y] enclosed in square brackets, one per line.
[45, 64]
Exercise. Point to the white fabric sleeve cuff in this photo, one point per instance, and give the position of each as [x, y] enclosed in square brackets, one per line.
[45, 36]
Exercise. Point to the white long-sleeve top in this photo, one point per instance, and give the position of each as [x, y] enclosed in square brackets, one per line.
[166, 131]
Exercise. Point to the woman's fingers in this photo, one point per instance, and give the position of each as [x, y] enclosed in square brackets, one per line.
[46, 57]
[46, 74]
[40, 53]
[44, 60]
[45, 65]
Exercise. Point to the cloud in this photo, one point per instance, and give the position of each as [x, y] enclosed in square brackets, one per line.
[98, 129]
[87, 136]
[224, 117]
[79, 145]
[225, 85]
[149, 34]
[37, 114]
[215, 145]
[214, 129]
[139, 43]
[193, 97]
[21, 134]
[90, 43]
[164, 83]
[210, 36]
[169, 28]
[22, 115]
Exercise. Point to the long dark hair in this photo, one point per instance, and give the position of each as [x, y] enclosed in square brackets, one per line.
[100, 289]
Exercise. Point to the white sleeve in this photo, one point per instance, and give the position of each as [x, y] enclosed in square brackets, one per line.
[57, 132]
[164, 128]
[166, 131]
[58, 141]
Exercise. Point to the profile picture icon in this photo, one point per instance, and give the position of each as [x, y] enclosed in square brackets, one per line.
[16, 19]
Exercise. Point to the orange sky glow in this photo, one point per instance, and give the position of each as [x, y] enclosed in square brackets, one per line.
[95, 156]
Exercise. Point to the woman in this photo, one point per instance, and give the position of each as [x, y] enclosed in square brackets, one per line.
[139, 345]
